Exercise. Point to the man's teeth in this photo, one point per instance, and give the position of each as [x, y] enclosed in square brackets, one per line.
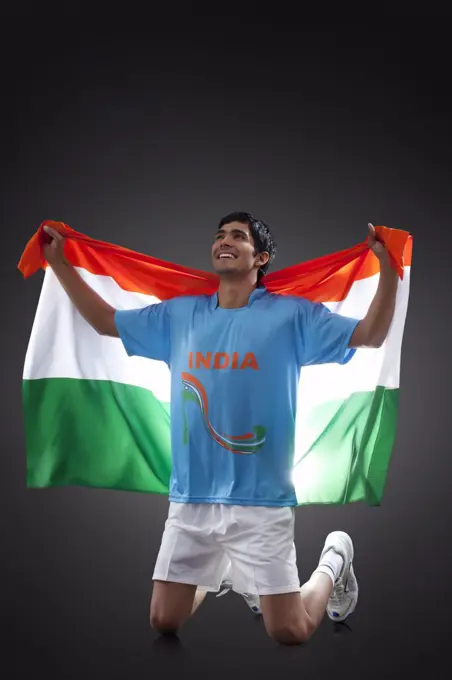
[222, 255]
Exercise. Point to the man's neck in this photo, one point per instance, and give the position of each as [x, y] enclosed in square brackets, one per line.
[234, 294]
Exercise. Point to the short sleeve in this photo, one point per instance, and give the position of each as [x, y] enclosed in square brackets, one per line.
[145, 332]
[322, 336]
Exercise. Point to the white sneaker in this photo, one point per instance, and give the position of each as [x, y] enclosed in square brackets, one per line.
[253, 601]
[344, 597]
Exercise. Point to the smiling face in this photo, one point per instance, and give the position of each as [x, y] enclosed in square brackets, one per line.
[233, 251]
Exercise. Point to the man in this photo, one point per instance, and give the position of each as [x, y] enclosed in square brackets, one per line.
[235, 361]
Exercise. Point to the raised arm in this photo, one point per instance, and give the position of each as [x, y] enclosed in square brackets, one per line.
[373, 329]
[98, 313]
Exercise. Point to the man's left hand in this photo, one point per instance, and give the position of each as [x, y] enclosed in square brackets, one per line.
[375, 245]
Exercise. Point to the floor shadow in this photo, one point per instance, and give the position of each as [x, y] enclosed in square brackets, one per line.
[342, 628]
[170, 644]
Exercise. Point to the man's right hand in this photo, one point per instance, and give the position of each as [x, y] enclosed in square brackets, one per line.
[94, 309]
[53, 250]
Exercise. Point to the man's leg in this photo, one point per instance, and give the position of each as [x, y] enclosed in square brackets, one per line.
[172, 604]
[188, 557]
[291, 618]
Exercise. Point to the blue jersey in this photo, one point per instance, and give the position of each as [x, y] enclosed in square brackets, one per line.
[234, 388]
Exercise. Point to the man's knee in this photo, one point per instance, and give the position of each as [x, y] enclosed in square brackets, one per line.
[171, 605]
[165, 624]
[291, 633]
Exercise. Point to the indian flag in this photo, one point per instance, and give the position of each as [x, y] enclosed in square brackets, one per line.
[96, 417]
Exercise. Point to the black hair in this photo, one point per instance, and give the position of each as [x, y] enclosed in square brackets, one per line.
[264, 241]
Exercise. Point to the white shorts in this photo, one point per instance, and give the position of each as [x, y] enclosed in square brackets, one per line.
[203, 543]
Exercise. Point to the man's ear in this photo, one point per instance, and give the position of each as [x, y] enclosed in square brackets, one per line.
[262, 259]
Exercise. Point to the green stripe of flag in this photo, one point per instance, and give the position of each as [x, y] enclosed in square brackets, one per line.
[96, 433]
[105, 434]
[350, 452]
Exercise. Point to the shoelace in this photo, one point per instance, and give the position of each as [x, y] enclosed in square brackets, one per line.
[337, 594]
[226, 588]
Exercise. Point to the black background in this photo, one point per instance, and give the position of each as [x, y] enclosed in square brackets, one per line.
[145, 136]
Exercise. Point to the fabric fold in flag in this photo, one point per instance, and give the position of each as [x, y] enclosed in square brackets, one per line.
[96, 417]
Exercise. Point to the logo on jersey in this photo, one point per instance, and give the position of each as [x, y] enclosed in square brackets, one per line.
[247, 443]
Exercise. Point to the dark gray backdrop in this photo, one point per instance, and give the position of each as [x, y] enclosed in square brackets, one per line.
[146, 138]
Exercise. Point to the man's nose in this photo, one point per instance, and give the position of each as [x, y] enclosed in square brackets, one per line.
[226, 240]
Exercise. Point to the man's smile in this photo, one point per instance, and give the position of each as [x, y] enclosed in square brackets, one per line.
[223, 254]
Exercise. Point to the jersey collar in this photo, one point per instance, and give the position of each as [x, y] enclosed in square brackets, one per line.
[255, 295]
